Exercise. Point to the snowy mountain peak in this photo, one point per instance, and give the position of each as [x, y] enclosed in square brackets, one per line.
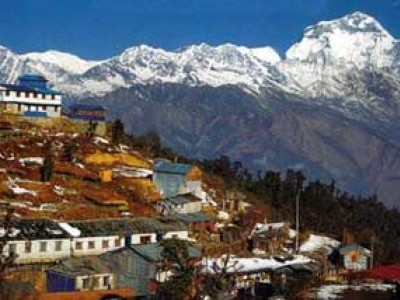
[354, 40]
[69, 62]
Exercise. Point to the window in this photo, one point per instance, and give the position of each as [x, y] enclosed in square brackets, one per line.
[53, 97]
[96, 282]
[56, 108]
[18, 94]
[43, 96]
[43, 247]
[85, 283]
[58, 245]
[117, 243]
[7, 93]
[106, 281]
[28, 247]
[44, 107]
[78, 245]
[104, 244]
[91, 245]
[12, 248]
[145, 239]
[35, 95]
[19, 107]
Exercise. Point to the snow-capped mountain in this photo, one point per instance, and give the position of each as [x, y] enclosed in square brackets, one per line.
[316, 66]
[331, 106]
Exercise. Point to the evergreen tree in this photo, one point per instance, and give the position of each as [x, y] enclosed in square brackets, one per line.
[118, 131]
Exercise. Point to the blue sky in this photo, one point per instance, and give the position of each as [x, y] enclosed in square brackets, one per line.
[95, 29]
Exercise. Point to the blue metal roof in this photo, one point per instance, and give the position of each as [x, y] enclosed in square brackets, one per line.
[172, 168]
[32, 77]
[23, 88]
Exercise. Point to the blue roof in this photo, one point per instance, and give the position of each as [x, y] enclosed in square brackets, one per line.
[172, 168]
[32, 77]
[23, 88]
[90, 107]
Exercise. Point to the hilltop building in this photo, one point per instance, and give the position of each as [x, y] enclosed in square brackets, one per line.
[89, 114]
[31, 97]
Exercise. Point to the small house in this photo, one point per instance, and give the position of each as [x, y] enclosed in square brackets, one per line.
[138, 266]
[355, 257]
[80, 274]
[174, 179]
[31, 97]
[180, 204]
[271, 237]
[37, 241]
[89, 114]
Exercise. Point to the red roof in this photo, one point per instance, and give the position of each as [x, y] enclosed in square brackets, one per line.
[386, 272]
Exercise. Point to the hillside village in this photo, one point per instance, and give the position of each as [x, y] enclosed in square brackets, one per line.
[88, 214]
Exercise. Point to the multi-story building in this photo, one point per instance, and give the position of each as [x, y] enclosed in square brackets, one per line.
[31, 97]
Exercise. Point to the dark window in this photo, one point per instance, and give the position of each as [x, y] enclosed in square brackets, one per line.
[58, 245]
[53, 97]
[18, 94]
[35, 95]
[12, 248]
[44, 107]
[85, 283]
[106, 281]
[55, 108]
[7, 93]
[104, 244]
[145, 239]
[78, 245]
[43, 96]
[43, 247]
[19, 107]
[28, 247]
[117, 243]
[91, 245]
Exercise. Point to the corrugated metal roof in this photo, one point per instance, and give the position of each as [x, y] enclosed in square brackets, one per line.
[193, 217]
[35, 229]
[172, 168]
[182, 199]
[153, 251]
[78, 266]
[124, 227]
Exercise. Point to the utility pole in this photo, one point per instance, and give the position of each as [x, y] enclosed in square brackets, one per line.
[298, 220]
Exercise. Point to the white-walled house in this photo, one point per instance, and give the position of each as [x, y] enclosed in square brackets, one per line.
[37, 241]
[80, 274]
[31, 97]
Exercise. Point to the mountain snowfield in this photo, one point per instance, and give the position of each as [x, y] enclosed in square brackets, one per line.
[314, 67]
[331, 106]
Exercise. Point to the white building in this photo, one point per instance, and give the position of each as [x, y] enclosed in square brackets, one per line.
[36, 241]
[31, 97]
